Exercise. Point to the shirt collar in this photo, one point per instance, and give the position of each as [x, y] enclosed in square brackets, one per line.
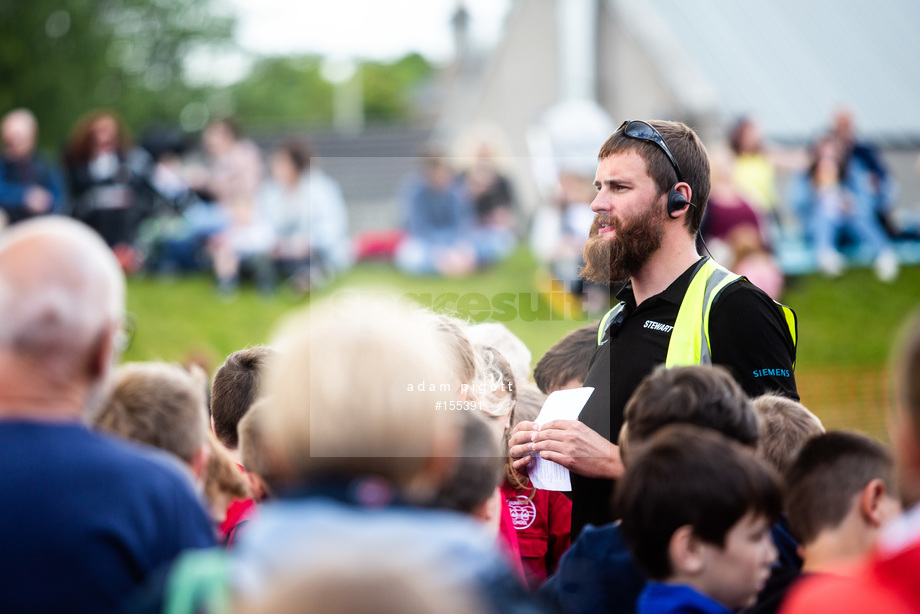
[673, 293]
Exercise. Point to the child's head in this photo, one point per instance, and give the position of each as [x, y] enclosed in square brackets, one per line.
[457, 351]
[161, 405]
[355, 410]
[473, 485]
[837, 476]
[512, 348]
[565, 365]
[494, 389]
[237, 384]
[697, 509]
[707, 397]
[254, 452]
[785, 426]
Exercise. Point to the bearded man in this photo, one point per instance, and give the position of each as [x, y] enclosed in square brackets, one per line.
[675, 308]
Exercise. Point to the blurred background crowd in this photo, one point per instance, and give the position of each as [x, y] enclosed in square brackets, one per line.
[304, 165]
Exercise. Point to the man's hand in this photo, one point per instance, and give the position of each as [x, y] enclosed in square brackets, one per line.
[569, 443]
[519, 445]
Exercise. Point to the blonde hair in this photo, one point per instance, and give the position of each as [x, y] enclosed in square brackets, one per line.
[159, 404]
[785, 426]
[510, 345]
[494, 386]
[344, 399]
[457, 349]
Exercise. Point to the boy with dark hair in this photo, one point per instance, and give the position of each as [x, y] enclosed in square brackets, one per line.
[598, 574]
[697, 511]
[565, 364]
[473, 486]
[702, 396]
[236, 386]
[839, 492]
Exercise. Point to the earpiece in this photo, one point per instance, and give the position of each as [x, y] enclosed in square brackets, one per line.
[676, 202]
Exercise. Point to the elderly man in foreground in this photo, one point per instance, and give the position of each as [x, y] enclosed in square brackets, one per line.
[84, 519]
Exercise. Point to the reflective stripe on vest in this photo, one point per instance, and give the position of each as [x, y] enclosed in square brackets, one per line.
[689, 343]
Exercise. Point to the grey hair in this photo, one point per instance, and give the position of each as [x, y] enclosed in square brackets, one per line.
[54, 308]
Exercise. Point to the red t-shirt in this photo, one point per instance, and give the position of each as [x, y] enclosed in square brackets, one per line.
[886, 582]
[238, 512]
[543, 526]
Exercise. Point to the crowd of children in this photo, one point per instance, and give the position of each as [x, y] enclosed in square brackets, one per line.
[361, 464]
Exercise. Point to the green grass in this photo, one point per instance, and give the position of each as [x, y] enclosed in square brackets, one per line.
[846, 325]
[178, 317]
[850, 321]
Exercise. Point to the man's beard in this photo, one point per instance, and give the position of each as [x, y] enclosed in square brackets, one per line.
[613, 260]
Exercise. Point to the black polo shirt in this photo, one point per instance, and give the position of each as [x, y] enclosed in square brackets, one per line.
[748, 335]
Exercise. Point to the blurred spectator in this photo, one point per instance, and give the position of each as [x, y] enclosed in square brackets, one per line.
[169, 239]
[862, 158]
[754, 173]
[108, 181]
[306, 211]
[492, 195]
[563, 147]
[438, 222]
[832, 198]
[235, 173]
[560, 230]
[733, 231]
[28, 185]
[91, 515]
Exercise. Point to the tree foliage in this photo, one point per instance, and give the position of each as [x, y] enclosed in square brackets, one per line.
[285, 91]
[63, 58]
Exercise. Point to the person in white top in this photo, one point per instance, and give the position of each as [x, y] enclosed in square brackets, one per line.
[306, 211]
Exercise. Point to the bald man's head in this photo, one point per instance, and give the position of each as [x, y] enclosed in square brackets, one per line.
[61, 294]
[19, 133]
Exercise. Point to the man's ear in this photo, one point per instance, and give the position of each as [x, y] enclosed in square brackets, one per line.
[103, 354]
[686, 552]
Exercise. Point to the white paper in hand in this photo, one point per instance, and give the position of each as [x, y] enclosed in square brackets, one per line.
[560, 405]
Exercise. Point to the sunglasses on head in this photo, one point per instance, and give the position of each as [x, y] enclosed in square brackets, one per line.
[643, 131]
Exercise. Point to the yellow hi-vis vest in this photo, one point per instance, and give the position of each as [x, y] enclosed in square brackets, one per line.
[689, 343]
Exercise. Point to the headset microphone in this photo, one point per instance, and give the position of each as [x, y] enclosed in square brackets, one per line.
[676, 202]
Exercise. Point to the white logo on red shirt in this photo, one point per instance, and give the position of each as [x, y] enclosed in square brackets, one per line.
[523, 512]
